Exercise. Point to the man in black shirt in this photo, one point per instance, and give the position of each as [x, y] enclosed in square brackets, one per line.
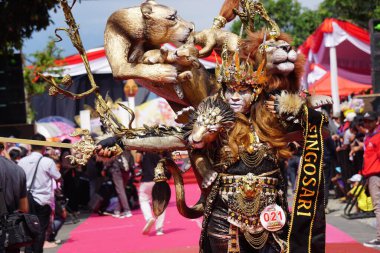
[13, 186]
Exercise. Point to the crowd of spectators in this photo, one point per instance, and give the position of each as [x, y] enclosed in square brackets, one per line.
[351, 164]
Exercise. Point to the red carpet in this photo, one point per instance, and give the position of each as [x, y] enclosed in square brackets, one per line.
[105, 234]
[339, 242]
[100, 234]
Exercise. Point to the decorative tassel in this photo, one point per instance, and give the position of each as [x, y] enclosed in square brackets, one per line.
[160, 197]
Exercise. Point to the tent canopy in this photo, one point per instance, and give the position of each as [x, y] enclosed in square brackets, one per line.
[346, 87]
[352, 45]
[74, 66]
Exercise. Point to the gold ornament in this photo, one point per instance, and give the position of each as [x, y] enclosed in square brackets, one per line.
[239, 74]
[219, 22]
[159, 173]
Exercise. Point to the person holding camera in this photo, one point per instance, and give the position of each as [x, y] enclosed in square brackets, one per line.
[13, 188]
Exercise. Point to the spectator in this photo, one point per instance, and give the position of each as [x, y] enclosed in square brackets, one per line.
[148, 162]
[334, 124]
[14, 154]
[53, 154]
[131, 189]
[60, 215]
[24, 150]
[328, 168]
[371, 168]
[93, 172]
[13, 186]
[70, 182]
[356, 153]
[3, 151]
[338, 184]
[364, 202]
[343, 151]
[41, 190]
[119, 170]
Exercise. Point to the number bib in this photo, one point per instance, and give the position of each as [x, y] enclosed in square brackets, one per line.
[273, 218]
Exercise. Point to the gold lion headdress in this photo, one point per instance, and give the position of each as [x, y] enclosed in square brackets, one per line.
[237, 74]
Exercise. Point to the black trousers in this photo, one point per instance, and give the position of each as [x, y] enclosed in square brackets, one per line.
[12, 251]
[43, 213]
[71, 190]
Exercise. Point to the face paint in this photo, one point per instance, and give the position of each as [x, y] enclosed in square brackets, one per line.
[240, 101]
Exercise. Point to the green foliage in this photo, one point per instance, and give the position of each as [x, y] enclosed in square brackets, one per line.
[300, 22]
[20, 18]
[290, 16]
[358, 12]
[43, 61]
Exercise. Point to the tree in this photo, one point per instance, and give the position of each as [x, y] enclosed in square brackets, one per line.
[358, 12]
[291, 17]
[20, 18]
[43, 61]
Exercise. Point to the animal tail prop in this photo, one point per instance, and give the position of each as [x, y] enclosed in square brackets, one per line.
[161, 195]
[161, 191]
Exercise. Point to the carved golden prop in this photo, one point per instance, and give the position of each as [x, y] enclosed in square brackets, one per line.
[84, 149]
[55, 89]
[219, 22]
[35, 142]
[247, 15]
[132, 41]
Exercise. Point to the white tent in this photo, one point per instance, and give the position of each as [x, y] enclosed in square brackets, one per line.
[74, 66]
[342, 48]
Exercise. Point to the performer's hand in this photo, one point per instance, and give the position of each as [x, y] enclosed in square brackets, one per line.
[103, 151]
[271, 104]
[105, 148]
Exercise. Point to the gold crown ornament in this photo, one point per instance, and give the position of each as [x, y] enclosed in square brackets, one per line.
[237, 74]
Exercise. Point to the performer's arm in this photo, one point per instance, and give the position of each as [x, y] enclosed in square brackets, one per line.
[151, 143]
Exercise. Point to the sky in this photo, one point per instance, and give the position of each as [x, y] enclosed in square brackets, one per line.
[91, 15]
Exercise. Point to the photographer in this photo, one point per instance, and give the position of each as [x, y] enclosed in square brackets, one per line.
[13, 187]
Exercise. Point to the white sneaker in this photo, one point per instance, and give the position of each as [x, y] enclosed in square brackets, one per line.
[116, 214]
[159, 232]
[125, 215]
[49, 245]
[375, 243]
[128, 214]
[148, 226]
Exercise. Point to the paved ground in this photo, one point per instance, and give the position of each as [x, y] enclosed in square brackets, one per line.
[360, 229]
